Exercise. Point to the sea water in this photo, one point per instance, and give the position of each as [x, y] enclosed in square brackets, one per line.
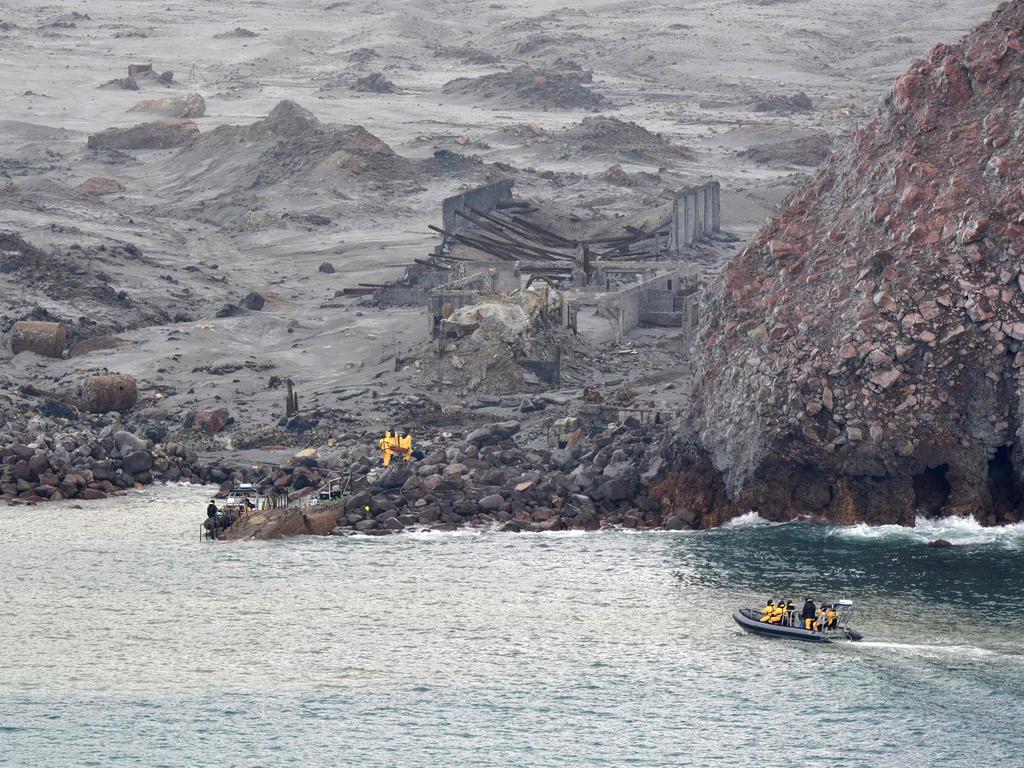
[124, 640]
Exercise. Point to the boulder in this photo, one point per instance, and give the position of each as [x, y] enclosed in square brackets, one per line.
[182, 107]
[121, 84]
[394, 476]
[493, 433]
[99, 186]
[210, 421]
[126, 442]
[492, 502]
[375, 82]
[230, 310]
[253, 301]
[137, 462]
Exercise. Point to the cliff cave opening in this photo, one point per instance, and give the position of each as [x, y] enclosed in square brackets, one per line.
[931, 490]
[1003, 485]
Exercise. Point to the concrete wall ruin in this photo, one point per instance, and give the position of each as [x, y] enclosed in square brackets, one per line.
[696, 215]
[482, 198]
[658, 300]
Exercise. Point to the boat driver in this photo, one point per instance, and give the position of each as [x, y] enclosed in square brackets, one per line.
[808, 614]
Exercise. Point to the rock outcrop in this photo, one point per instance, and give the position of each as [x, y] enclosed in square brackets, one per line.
[862, 359]
[162, 134]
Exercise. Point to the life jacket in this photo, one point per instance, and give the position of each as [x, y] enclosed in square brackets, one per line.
[766, 612]
[777, 614]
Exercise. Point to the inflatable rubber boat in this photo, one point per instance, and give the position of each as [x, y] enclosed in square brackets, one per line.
[750, 620]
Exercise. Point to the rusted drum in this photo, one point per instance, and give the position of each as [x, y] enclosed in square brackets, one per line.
[111, 392]
[47, 339]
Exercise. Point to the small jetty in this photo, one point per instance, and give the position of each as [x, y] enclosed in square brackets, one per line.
[248, 513]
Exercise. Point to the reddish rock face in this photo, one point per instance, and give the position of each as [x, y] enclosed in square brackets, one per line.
[880, 374]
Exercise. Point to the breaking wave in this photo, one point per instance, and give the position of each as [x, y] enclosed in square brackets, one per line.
[749, 520]
[956, 530]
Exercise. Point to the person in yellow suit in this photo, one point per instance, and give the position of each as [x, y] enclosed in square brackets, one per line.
[828, 617]
[779, 612]
[395, 445]
[768, 610]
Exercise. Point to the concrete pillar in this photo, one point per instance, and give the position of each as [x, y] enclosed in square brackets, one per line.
[675, 230]
[690, 209]
[701, 196]
[716, 207]
[709, 210]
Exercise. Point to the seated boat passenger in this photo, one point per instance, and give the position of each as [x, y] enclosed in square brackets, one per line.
[778, 612]
[790, 614]
[808, 614]
[768, 610]
[829, 616]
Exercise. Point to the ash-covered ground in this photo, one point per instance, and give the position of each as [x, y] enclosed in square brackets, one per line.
[330, 132]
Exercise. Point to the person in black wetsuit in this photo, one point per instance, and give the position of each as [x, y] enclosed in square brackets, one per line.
[212, 523]
[809, 614]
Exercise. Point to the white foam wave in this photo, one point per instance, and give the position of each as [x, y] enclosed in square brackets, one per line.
[956, 530]
[749, 520]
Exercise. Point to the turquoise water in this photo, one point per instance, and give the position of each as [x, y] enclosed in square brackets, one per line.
[127, 642]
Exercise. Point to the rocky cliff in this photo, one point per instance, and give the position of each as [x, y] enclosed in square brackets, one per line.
[862, 358]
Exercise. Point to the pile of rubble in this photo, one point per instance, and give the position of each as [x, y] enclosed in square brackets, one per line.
[502, 345]
[50, 459]
[862, 359]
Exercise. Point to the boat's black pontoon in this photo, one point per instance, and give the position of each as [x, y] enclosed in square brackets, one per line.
[750, 620]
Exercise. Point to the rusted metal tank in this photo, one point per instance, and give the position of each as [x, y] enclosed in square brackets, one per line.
[110, 392]
[43, 338]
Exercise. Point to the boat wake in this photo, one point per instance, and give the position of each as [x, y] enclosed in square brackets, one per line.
[929, 649]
